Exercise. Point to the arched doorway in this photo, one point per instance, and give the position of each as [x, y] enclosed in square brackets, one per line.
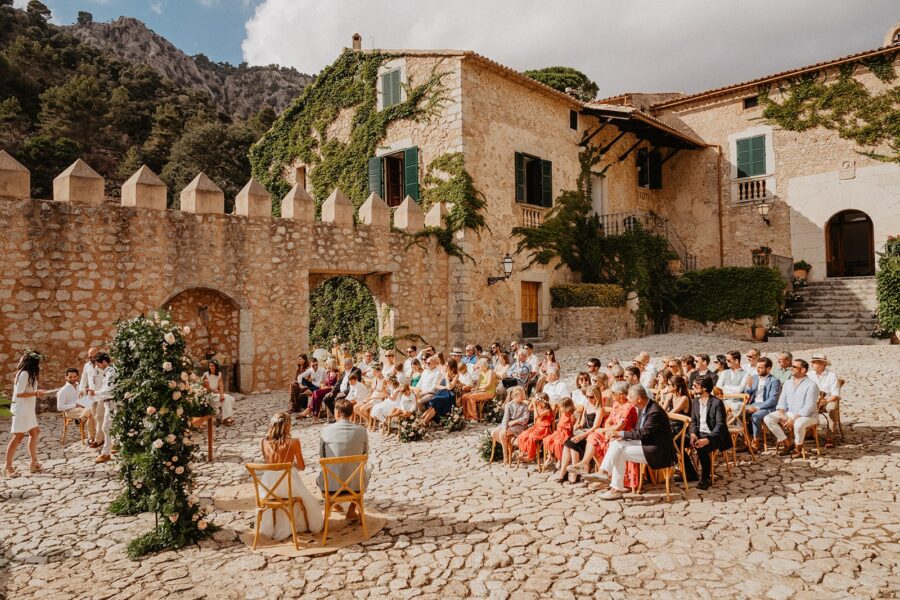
[343, 307]
[850, 244]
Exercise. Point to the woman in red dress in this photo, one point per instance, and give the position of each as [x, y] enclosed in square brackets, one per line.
[553, 443]
[530, 439]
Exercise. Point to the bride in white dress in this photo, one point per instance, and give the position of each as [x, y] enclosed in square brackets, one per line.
[279, 447]
[213, 381]
[24, 419]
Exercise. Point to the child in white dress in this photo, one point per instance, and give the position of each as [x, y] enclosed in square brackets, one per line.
[24, 399]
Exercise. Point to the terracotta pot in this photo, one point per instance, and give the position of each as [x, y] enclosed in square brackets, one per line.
[758, 333]
[800, 274]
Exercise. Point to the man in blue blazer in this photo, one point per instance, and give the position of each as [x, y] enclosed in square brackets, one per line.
[764, 394]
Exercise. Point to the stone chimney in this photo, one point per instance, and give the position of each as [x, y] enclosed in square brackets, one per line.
[357, 41]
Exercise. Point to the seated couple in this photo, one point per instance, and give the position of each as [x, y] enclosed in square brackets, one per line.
[341, 438]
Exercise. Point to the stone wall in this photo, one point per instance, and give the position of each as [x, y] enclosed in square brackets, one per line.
[214, 320]
[739, 329]
[587, 325]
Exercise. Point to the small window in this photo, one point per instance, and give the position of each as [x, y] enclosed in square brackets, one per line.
[751, 102]
[390, 88]
[573, 120]
[534, 180]
[751, 156]
[395, 176]
[649, 169]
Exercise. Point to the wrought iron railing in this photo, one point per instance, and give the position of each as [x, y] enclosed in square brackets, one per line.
[619, 223]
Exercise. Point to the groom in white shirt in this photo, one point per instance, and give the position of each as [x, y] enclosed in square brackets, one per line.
[67, 401]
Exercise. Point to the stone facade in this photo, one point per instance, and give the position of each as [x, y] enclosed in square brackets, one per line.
[586, 325]
[740, 329]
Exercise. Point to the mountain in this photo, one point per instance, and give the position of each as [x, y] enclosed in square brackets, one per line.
[239, 91]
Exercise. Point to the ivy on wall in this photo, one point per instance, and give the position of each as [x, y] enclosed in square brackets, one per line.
[343, 308]
[729, 293]
[888, 285]
[844, 106]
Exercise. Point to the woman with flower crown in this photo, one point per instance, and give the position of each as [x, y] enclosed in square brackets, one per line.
[24, 398]
[280, 447]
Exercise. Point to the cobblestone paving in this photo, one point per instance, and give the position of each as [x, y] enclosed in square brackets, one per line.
[824, 528]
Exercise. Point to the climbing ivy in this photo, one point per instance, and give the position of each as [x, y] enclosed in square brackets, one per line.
[844, 106]
[300, 133]
[343, 308]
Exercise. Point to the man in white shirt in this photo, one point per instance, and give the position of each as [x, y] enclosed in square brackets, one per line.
[635, 375]
[67, 398]
[796, 409]
[312, 377]
[829, 394]
[734, 380]
[749, 363]
[407, 364]
[91, 380]
[105, 395]
[554, 387]
[428, 383]
[531, 358]
[365, 367]
[648, 371]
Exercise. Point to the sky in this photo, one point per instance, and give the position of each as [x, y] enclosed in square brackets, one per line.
[652, 46]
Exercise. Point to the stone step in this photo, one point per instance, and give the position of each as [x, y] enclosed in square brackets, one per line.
[833, 341]
[831, 314]
[813, 320]
[812, 329]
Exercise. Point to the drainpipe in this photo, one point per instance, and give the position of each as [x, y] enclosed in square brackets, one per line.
[719, 195]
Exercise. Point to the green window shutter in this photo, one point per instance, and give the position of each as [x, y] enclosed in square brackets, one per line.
[520, 177]
[376, 177]
[751, 156]
[411, 172]
[390, 88]
[546, 183]
[386, 90]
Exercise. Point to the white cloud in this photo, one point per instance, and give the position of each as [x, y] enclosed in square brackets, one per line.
[678, 45]
[157, 7]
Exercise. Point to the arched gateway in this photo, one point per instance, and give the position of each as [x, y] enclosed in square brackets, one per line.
[850, 244]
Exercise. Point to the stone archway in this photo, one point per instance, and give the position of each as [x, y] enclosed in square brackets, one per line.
[850, 244]
[349, 307]
[215, 323]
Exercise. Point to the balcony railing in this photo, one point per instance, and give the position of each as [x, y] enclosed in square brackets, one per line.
[619, 223]
[532, 216]
[753, 189]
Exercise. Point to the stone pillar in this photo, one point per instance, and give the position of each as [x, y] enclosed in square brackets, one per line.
[299, 205]
[375, 212]
[338, 209]
[78, 183]
[15, 179]
[246, 350]
[253, 201]
[202, 196]
[144, 190]
[435, 216]
[409, 217]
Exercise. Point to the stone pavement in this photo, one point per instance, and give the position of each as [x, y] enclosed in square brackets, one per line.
[824, 528]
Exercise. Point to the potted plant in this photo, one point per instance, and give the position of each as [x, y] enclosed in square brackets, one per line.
[801, 269]
[761, 255]
[758, 332]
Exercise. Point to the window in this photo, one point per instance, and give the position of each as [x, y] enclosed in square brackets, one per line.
[751, 156]
[573, 120]
[751, 102]
[390, 88]
[649, 168]
[395, 176]
[534, 180]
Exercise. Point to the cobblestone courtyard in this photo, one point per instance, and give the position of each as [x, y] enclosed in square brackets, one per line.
[780, 528]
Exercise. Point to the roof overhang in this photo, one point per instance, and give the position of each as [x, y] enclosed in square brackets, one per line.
[643, 126]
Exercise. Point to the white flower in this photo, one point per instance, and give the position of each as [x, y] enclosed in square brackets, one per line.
[151, 410]
[201, 524]
[164, 322]
[176, 395]
[173, 385]
[163, 410]
[138, 484]
[186, 330]
[171, 438]
[170, 338]
[174, 517]
[157, 444]
[179, 470]
[194, 377]
[167, 366]
[174, 459]
[185, 377]
[179, 411]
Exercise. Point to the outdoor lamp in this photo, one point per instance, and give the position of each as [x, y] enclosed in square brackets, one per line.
[507, 263]
[763, 209]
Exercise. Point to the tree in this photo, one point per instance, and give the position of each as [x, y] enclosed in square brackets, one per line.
[567, 80]
[46, 158]
[38, 13]
[262, 121]
[85, 18]
[75, 109]
[13, 124]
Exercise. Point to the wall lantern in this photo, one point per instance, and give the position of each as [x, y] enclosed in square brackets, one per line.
[507, 263]
[763, 209]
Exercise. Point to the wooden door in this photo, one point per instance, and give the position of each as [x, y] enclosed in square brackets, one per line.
[530, 291]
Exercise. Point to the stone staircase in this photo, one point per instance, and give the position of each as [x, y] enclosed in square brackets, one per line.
[834, 312]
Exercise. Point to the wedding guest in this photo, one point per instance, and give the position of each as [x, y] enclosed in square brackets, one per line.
[622, 417]
[390, 365]
[548, 364]
[299, 393]
[703, 369]
[357, 392]
[518, 373]
[384, 408]
[91, 380]
[496, 353]
[331, 378]
[554, 443]
[530, 440]
[576, 446]
[23, 408]
[105, 394]
[689, 369]
[407, 364]
[340, 391]
[593, 368]
[764, 391]
[555, 388]
[416, 375]
[501, 370]
[215, 384]
[280, 447]
[709, 429]
[648, 370]
[428, 383]
[483, 392]
[749, 363]
[471, 356]
[406, 402]
[633, 376]
[67, 398]
[732, 379]
[468, 378]
[377, 394]
[579, 394]
[365, 365]
[515, 420]
[444, 398]
[829, 394]
[343, 438]
[782, 370]
[796, 409]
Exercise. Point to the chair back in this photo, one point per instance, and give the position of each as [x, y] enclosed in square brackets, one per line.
[345, 485]
[268, 494]
[679, 439]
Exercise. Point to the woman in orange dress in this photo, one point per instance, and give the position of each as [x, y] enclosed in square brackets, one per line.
[553, 443]
[530, 439]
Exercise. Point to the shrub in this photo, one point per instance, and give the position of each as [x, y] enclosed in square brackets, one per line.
[729, 293]
[802, 265]
[484, 449]
[587, 294]
[887, 291]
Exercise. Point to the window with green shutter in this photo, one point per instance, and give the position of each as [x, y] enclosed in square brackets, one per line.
[534, 180]
[751, 156]
[390, 88]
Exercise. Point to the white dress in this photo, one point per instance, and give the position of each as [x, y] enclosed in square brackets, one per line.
[275, 524]
[226, 405]
[23, 409]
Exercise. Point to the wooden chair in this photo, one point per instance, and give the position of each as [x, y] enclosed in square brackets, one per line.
[669, 472]
[67, 421]
[815, 434]
[345, 491]
[270, 499]
[837, 410]
[737, 426]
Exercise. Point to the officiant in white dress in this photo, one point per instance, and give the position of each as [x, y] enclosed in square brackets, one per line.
[215, 383]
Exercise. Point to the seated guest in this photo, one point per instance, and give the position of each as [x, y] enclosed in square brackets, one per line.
[357, 392]
[468, 378]
[530, 440]
[648, 370]
[280, 447]
[718, 366]
[390, 365]
[331, 378]
[299, 395]
[680, 397]
[593, 368]
[501, 370]
[416, 376]
[689, 369]
[782, 369]
[407, 364]
[599, 398]
[633, 376]
[471, 355]
[617, 373]
[554, 443]
[457, 354]
[483, 392]
[343, 438]
[673, 364]
[309, 381]
[579, 394]
[518, 372]
[749, 363]
[444, 398]
[67, 398]
[796, 409]
[709, 429]
[534, 363]
[661, 387]
[576, 446]
[829, 394]
[703, 369]
[622, 417]
[515, 420]
[365, 365]
[427, 385]
[496, 353]
[649, 443]
[763, 392]
[733, 379]
[215, 383]
[341, 390]
[555, 388]
[363, 410]
[384, 408]
[549, 363]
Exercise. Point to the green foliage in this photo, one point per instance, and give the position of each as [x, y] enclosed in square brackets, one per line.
[300, 132]
[454, 421]
[493, 409]
[887, 285]
[587, 294]
[567, 80]
[47, 158]
[484, 449]
[802, 265]
[157, 395]
[729, 293]
[410, 429]
[343, 308]
[844, 106]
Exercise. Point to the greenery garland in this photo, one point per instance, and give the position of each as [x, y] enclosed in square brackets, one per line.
[844, 106]
[157, 397]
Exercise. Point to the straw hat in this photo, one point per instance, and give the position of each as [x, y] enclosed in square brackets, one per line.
[457, 351]
[820, 358]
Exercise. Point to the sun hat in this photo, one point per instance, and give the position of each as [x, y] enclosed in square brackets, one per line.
[820, 358]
